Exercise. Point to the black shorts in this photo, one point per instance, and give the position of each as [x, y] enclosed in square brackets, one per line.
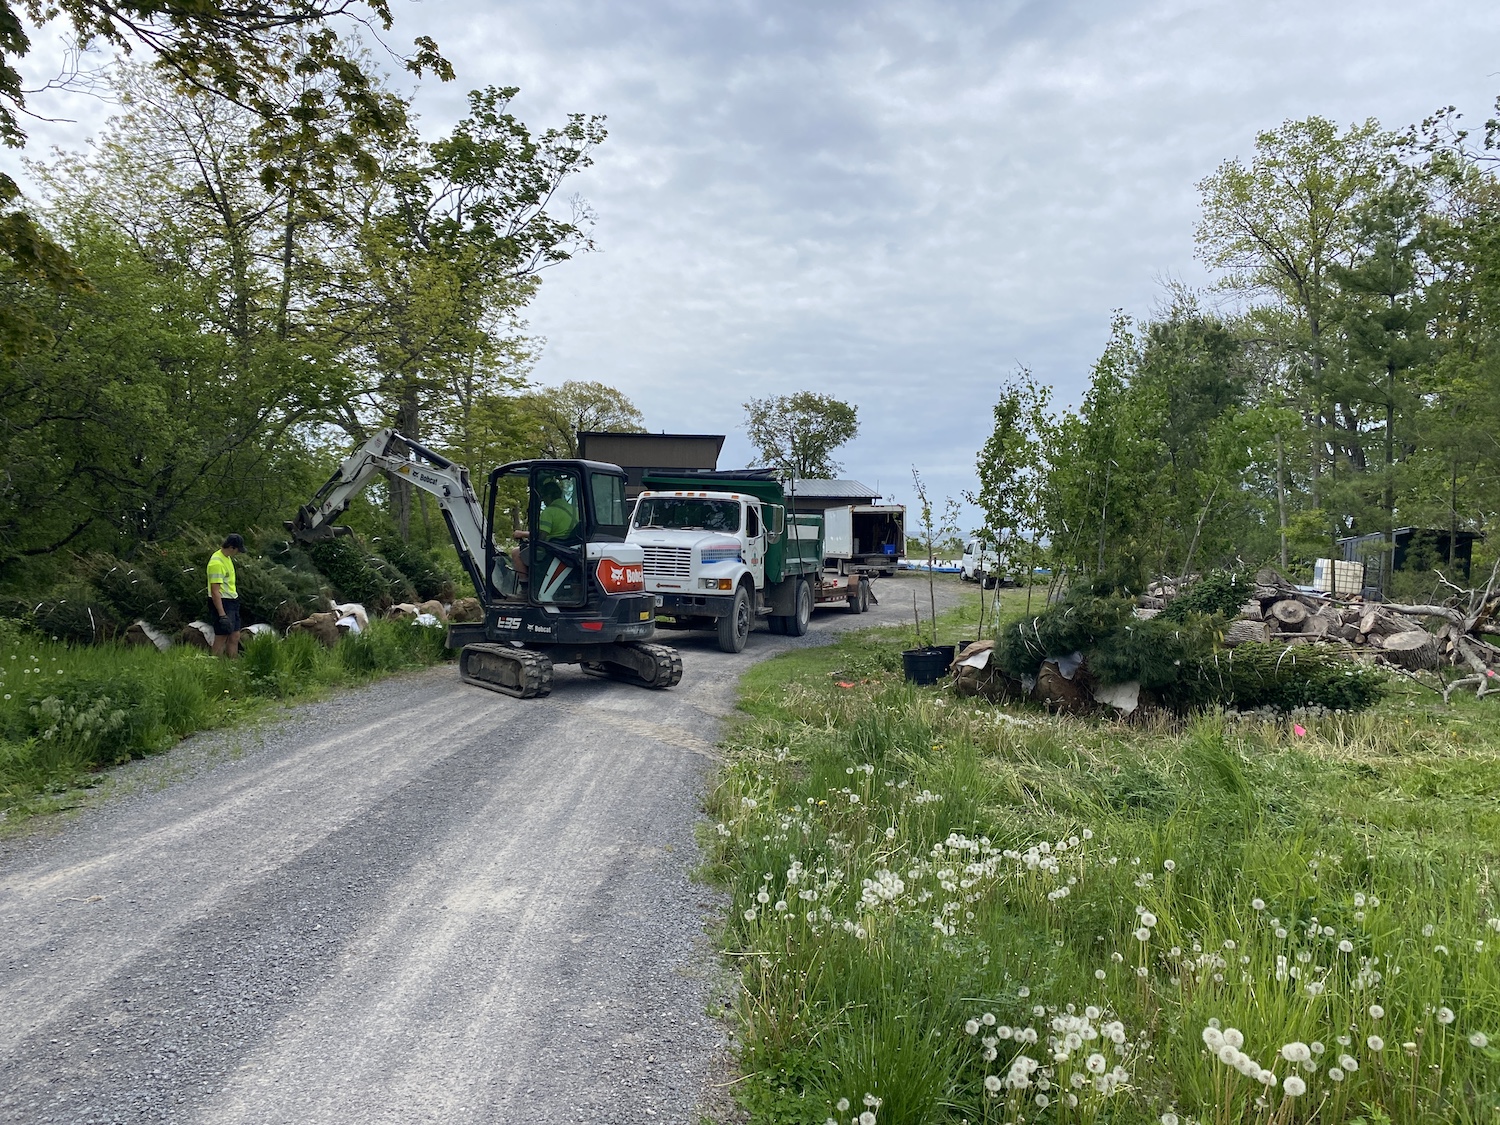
[231, 611]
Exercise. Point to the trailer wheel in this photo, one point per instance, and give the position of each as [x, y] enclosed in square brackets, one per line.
[797, 623]
[735, 626]
[857, 600]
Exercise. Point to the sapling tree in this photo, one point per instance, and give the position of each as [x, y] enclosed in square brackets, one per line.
[1010, 467]
[936, 527]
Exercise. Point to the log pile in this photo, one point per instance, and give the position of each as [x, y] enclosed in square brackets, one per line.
[1412, 638]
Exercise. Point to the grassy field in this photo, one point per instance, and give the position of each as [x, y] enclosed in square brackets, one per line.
[69, 711]
[947, 911]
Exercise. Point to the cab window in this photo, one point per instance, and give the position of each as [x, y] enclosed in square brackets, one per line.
[608, 492]
[752, 522]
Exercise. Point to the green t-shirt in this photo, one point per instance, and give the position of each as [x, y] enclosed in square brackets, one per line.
[221, 570]
[557, 520]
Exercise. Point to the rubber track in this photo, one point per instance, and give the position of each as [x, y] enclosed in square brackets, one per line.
[534, 670]
[666, 670]
[668, 665]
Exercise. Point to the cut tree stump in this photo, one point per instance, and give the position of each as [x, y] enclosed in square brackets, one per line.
[1246, 632]
[1415, 650]
[1289, 613]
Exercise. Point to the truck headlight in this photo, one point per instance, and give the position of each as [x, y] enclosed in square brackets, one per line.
[717, 583]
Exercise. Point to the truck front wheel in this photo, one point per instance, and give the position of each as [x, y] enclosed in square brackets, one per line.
[734, 627]
[796, 624]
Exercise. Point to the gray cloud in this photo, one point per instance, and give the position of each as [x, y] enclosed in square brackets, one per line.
[898, 202]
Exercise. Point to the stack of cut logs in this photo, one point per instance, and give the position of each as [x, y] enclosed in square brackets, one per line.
[1413, 637]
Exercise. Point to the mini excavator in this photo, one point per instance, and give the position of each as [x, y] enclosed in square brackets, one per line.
[570, 592]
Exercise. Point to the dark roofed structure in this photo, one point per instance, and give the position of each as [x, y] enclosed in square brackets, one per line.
[642, 453]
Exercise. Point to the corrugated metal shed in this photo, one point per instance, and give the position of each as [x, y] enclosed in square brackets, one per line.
[850, 490]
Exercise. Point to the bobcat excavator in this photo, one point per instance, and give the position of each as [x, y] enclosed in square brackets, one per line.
[571, 592]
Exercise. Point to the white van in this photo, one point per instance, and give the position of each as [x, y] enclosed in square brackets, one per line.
[979, 563]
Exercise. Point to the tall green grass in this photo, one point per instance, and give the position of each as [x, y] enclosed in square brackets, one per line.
[922, 883]
[67, 711]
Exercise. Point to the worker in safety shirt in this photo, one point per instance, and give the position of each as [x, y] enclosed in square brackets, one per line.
[224, 597]
[556, 520]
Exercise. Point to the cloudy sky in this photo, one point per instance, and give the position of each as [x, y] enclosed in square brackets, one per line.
[898, 202]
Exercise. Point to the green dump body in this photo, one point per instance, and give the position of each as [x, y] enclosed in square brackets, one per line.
[787, 556]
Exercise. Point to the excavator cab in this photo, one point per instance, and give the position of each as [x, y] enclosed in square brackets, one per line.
[569, 505]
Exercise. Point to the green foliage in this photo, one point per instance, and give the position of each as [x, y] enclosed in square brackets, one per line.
[73, 612]
[1078, 623]
[901, 863]
[349, 568]
[417, 568]
[1284, 678]
[1177, 658]
[131, 592]
[1218, 593]
[67, 710]
[267, 594]
[798, 434]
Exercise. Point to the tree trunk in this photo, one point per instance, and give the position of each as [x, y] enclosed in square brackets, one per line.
[1414, 650]
[409, 423]
[1290, 613]
[1281, 495]
[1246, 632]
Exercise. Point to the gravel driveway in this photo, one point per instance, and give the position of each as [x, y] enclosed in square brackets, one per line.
[415, 902]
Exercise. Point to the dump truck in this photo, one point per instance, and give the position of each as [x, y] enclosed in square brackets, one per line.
[722, 550]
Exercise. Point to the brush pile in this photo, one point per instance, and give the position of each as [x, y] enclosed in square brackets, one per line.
[1411, 638]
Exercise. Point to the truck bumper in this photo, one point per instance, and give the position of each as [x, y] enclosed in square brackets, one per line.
[694, 605]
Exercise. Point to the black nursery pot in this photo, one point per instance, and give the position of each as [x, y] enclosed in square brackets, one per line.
[926, 665]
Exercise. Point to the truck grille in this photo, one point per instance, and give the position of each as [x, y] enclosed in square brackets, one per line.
[669, 562]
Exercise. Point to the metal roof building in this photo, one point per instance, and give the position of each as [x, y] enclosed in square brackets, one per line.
[818, 495]
[642, 453]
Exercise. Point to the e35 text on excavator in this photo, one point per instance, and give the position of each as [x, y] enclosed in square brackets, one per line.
[569, 592]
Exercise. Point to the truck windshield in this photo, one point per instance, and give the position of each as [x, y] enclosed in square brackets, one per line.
[687, 514]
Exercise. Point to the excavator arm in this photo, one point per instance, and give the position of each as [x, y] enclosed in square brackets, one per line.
[391, 452]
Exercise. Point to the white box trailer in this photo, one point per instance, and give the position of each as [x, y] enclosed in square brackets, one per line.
[868, 537]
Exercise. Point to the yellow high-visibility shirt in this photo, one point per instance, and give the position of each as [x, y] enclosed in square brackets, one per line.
[221, 570]
[557, 520]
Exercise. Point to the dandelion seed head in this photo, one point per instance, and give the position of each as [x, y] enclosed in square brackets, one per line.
[1479, 1039]
[1445, 1016]
[1375, 1043]
[1376, 1012]
[1294, 1087]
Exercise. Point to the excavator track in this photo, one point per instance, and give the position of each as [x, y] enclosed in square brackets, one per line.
[645, 665]
[517, 672]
